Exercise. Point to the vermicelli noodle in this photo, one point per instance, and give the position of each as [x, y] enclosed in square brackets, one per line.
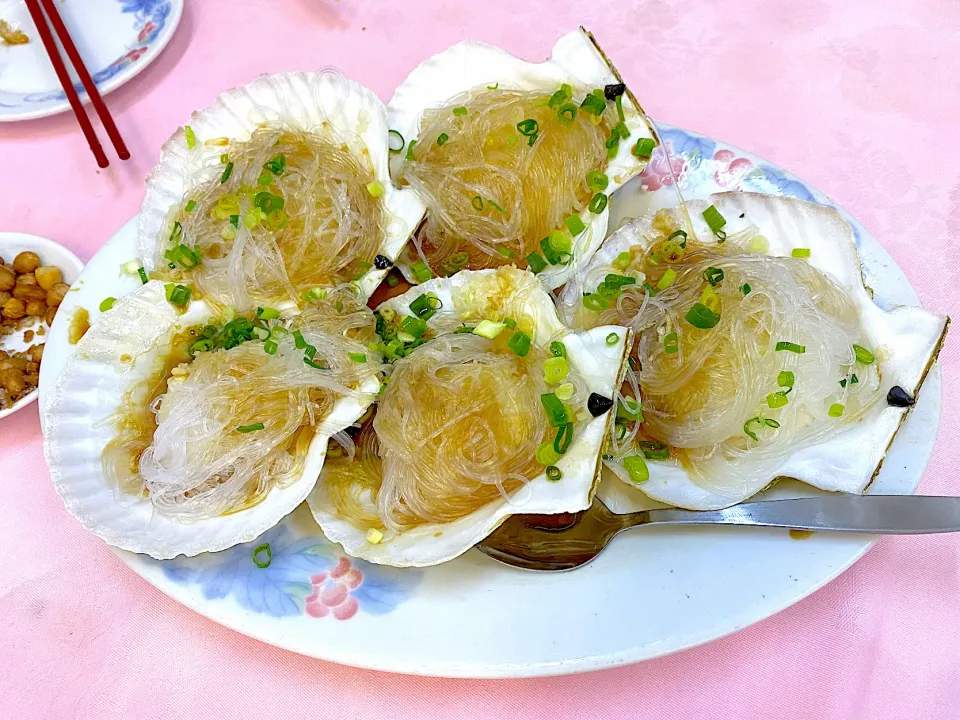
[281, 213]
[491, 196]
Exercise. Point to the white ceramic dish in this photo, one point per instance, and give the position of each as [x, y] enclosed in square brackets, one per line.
[653, 591]
[117, 39]
[51, 253]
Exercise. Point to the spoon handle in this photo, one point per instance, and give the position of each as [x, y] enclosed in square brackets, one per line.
[880, 514]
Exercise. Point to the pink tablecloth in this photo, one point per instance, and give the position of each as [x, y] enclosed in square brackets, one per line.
[860, 98]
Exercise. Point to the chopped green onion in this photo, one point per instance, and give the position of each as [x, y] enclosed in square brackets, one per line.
[178, 295]
[530, 129]
[564, 437]
[392, 281]
[556, 411]
[235, 221]
[620, 114]
[267, 313]
[441, 139]
[250, 428]
[594, 104]
[629, 408]
[505, 251]
[777, 399]
[713, 275]
[597, 181]
[410, 147]
[598, 203]
[786, 379]
[494, 86]
[622, 261]
[460, 111]
[636, 468]
[567, 113]
[654, 450]
[488, 329]
[558, 349]
[565, 391]
[191, 137]
[277, 164]
[395, 142]
[265, 179]
[107, 304]
[546, 455]
[191, 206]
[492, 204]
[750, 423]
[270, 347]
[835, 411]
[510, 323]
[477, 203]
[592, 301]
[262, 556]
[310, 351]
[375, 189]
[421, 271]
[574, 224]
[700, 316]
[555, 370]
[560, 241]
[426, 305]
[612, 339]
[143, 275]
[679, 234]
[800, 252]
[560, 96]
[649, 289]
[520, 343]
[666, 281]
[853, 381]
[414, 326]
[790, 347]
[671, 343]
[553, 473]
[316, 293]
[311, 363]
[864, 356]
[554, 257]
[644, 148]
[535, 262]
[227, 171]
[715, 221]
[745, 288]
[357, 357]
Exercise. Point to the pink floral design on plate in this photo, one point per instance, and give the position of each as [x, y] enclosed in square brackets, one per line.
[657, 172]
[730, 168]
[332, 592]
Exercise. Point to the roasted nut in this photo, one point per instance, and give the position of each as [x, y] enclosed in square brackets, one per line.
[7, 278]
[13, 309]
[31, 367]
[29, 293]
[12, 381]
[26, 262]
[57, 293]
[4, 296]
[48, 276]
[33, 379]
[36, 308]
[36, 352]
[49, 315]
[27, 279]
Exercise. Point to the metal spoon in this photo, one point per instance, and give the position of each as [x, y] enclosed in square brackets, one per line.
[567, 541]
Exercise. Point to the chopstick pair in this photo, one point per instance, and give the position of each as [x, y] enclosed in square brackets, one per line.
[64, 77]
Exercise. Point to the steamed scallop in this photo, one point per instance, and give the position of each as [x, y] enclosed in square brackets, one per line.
[177, 431]
[758, 351]
[492, 407]
[515, 160]
[279, 188]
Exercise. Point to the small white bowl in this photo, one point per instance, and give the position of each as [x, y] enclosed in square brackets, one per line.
[51, 253]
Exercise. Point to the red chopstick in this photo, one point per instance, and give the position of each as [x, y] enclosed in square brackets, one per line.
[63, 76]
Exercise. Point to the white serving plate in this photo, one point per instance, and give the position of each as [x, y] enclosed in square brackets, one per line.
[117, 39]
[653, 592]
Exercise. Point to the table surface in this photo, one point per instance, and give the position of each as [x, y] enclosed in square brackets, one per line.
[859, 98]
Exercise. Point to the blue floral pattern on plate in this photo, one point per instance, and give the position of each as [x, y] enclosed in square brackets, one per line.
[304, 575]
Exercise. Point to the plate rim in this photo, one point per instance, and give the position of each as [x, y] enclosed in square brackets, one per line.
[113, 83]
[255, 626]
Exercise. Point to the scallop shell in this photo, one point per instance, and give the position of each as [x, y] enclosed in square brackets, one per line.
[576, 58]
[118, 351]
[308, 100]
[486, 292]
[905, 339]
